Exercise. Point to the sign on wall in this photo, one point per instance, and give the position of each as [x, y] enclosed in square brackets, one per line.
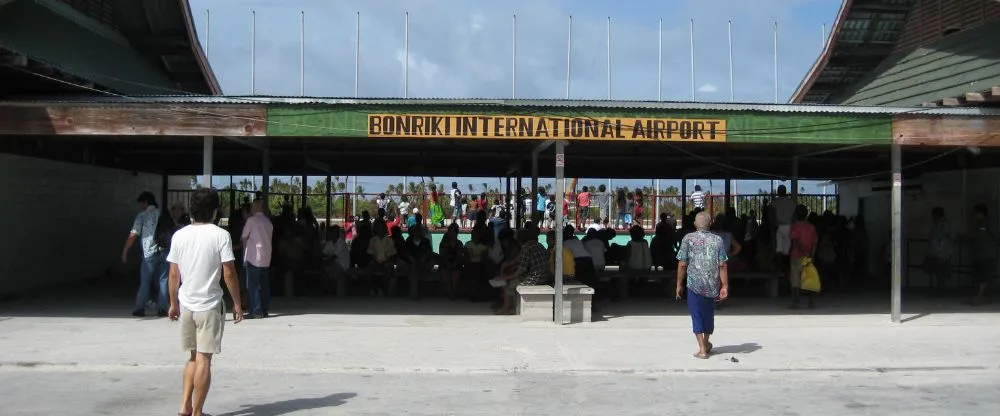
[449, 126]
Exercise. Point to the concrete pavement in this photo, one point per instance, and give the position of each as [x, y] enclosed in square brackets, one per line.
[439, 357]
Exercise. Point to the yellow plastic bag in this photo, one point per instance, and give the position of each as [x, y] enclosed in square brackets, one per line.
[810, 276]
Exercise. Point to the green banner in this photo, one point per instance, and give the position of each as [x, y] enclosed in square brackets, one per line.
[740, 126]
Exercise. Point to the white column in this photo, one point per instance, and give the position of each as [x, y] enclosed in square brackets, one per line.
[558, 224]
[206, 162]
[533, 194]
[897, 233]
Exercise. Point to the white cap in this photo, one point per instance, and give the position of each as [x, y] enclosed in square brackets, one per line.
[416, 210]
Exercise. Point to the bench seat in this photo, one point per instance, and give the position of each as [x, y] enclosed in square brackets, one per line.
[771, 279]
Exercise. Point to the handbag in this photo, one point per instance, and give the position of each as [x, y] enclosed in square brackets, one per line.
[810, 276]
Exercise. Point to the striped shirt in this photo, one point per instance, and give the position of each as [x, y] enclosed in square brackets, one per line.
[698, 198]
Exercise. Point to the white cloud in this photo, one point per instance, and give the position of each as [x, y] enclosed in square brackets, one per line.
[708, 88]
[477, 22]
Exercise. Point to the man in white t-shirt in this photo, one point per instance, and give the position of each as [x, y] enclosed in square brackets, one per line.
[456, 202]
[200, 255]
[783, 208]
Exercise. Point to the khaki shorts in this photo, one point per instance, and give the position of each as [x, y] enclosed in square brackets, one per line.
[202, 331]
[795, 274]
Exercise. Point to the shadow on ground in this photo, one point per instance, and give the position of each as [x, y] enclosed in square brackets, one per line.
[107, 298]
[285, 407]
[745, 348]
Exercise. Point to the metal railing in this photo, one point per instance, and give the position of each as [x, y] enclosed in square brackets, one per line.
[339, 206]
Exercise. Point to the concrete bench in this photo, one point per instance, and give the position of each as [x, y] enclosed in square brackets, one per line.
[771, 280]
[535, 303]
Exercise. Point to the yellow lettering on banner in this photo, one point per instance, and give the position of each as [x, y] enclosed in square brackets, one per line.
[450, 126]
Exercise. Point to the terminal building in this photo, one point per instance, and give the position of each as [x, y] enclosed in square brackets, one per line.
[924, 54]
[116, 97]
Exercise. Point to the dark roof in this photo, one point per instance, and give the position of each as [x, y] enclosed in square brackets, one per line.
[864, 34]
[179, 100]
[131, 47]
[163, 31]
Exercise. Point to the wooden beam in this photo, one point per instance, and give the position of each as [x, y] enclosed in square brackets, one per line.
[975, 97]
[953, 101]
[952, 131]
[133, 120]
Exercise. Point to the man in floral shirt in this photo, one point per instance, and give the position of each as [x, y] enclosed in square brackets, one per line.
[701, 259]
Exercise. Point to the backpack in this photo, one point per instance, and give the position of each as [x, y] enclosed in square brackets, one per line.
[164, 231]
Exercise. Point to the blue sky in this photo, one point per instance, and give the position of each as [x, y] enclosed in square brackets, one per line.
[462, 49]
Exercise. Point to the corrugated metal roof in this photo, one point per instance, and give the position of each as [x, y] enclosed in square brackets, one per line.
[603, 104]
[965, 62]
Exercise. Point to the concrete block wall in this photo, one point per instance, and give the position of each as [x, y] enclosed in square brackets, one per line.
[62, 221]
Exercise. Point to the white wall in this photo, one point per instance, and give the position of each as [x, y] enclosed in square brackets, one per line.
[62, 221]
[940, 189]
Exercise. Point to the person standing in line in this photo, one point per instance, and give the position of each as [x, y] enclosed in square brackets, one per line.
[403, 207]
[382, 204]
[153, 265]
[257, 236]
[702, 259]
[200, 255]
[782, 212]
[603, 201]
[938, 261]
[582, 208]
[539, 211]
[984, 253]
[804, 240]
[456, 203]
[698, 198]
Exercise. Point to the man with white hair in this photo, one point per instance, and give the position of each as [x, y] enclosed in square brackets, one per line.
[701, 261]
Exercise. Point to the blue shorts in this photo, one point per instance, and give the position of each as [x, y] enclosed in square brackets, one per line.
[702, 313]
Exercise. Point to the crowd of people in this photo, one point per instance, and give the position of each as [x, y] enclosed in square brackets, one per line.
[375, 253]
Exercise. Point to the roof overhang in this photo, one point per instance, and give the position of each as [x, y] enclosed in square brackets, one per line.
[863, 35]
[199, 53]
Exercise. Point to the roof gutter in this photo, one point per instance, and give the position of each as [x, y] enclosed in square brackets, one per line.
[824, 57]
[199, 54]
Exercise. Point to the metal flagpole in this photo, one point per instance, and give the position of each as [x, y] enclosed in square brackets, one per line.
[694, 95]
[659, 62]
[776, 62]
[609, 57]
[732, 87]
[302, 53]
[569, 52]
[253, 52]
[208, 34]
[357, 54]
[406, 58]
[513, 56]
[822, 37]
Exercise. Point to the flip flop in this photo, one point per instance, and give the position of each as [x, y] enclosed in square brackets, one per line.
[696, 355]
